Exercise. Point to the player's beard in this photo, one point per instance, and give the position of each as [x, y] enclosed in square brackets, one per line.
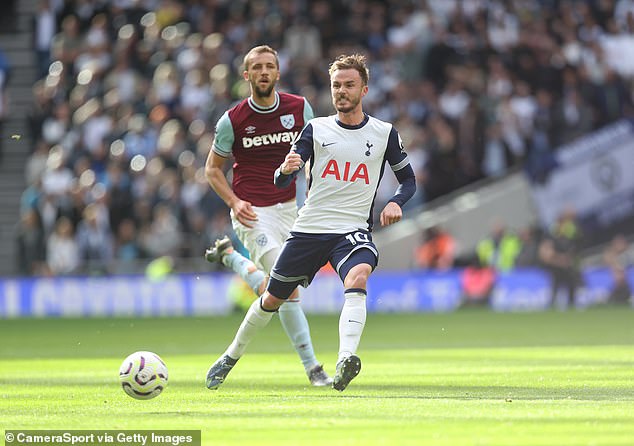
[263, 93]
[353, 102]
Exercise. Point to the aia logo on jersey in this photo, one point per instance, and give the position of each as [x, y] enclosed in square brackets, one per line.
[360, 172]
[288, 121]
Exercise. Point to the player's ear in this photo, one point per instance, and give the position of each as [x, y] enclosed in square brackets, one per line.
[364, 90]
[245, 75]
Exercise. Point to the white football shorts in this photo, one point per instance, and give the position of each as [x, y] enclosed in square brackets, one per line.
[270, 231]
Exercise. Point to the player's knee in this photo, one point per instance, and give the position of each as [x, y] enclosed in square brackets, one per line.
[294, 297]
[358, 276]
[270, 302]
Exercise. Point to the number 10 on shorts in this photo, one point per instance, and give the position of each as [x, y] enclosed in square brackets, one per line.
[358, 237]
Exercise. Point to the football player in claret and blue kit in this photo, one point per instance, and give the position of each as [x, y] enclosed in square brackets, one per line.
[258, 133]
[347, 154]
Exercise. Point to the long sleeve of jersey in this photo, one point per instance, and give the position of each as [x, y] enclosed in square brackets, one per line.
[401, 168]
[407, 186]
[304, 147]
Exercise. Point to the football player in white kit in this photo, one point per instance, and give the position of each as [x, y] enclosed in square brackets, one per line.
[347, 153]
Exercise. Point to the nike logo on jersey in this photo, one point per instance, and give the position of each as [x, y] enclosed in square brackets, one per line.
[323, 144]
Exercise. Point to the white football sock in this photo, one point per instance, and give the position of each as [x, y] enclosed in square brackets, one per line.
[255, 319]
[351, 322]
[295, 325]
[245, 269]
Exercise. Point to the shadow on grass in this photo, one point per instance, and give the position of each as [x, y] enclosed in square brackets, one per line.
[465, 393]
[238, 389]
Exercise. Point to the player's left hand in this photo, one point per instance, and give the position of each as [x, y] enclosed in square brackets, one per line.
[391, 213]
[291, 163]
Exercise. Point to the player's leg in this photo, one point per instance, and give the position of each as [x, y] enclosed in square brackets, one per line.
[222, 251]
[258, 240]
[353, 314]
[256, 319]
[275, 224]
[289, 272]
[296, 326]
[351, 325]
[354, 264]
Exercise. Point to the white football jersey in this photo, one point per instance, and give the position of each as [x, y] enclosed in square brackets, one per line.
[346, 166]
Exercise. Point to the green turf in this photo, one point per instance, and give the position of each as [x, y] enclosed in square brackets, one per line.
[465, 378]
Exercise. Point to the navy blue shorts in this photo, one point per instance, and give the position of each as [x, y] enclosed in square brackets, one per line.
[304, 254]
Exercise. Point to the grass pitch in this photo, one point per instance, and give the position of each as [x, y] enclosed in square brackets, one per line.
[465, 378]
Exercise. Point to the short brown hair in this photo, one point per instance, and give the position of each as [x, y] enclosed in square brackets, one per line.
[259, 50]
[353, 61]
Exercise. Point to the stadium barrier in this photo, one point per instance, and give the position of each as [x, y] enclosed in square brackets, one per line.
[207, 294]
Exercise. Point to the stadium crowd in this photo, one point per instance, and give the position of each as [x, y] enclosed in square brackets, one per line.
[129, 92]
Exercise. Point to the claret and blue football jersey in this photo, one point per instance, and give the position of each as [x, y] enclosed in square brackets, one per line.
[259, 139]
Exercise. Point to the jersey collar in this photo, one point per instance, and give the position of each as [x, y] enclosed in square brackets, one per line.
[260, 109]
[353, 127]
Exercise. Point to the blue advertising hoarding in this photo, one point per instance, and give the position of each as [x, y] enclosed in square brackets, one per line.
[206, 294]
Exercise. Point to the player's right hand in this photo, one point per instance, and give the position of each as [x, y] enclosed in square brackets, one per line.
[292, 162]
[244, 213]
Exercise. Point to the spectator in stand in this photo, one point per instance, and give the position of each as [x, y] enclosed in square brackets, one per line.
[441, 169]
[30, 246]
[539, 159]
[56, 128]
[44, 29]
[618, 258]
[95, 242]
[66, 44]
[498, 156]
[5, 71]
[57, 179]
[438, 250]
[119, 190]
[163, 236]
[62, 250]
[572, 117]
[127, 250]
[36, 163]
